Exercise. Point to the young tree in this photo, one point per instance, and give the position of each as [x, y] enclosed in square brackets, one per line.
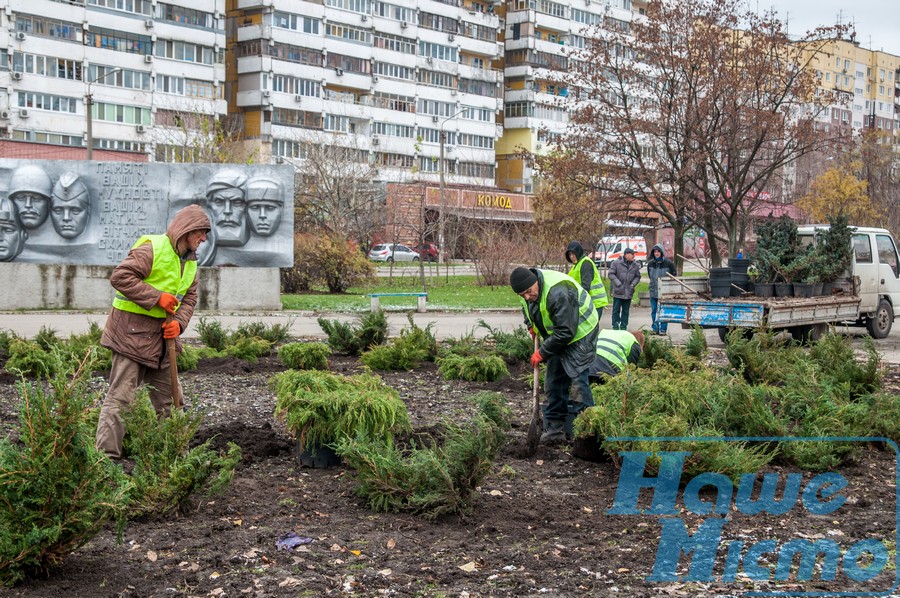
[192, 134]
[691, 113]
[840, 192]
[336, 190]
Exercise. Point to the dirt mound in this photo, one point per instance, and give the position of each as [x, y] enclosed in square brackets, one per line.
[257, 443]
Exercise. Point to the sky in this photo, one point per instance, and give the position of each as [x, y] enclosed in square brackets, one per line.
[876, 20]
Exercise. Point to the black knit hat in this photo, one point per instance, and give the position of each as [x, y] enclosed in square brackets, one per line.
[521, 279]
[628, 250]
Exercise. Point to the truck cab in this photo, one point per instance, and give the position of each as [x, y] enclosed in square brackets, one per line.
[876, 270]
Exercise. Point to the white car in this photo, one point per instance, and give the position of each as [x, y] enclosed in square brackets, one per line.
[391, 252]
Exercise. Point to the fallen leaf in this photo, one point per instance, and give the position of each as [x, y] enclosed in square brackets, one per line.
[217, 592]
[496, 493]
[289, 582]
[587, 509]
[151, 556]
[539, 462]
[251, 554]
[622, 570]
[356, 552]
[385, 572]
[214, 575]
[468, 567]
[391, 543]
[336, 548]
[238, 522]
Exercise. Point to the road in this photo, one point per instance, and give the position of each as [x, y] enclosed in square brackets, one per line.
[303, 325]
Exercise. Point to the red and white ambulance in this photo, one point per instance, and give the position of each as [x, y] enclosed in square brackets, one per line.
[612, 248]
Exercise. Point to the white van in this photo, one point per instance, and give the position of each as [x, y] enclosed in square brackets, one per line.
[612, 248]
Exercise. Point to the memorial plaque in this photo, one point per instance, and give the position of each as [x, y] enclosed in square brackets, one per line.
[91, 213]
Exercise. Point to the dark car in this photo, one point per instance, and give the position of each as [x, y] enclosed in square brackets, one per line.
[428, 251]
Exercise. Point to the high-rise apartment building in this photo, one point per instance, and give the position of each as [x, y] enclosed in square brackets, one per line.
[540, 36]
[865, 83]
[146, 66]
[384, 79]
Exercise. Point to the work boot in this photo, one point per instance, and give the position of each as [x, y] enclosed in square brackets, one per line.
[555, 432]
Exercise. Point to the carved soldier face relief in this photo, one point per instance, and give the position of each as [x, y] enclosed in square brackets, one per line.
[70, 207]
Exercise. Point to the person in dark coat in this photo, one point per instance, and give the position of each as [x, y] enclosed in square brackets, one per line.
[157, 278]
[558, 310]
[624, 275]
[658, 266]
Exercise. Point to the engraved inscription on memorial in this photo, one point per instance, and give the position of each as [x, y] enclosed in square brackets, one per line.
[93, 212]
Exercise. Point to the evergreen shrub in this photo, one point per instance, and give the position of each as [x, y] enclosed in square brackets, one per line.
[305, 356]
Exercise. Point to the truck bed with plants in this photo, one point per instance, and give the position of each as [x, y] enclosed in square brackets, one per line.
[803, 280]
[801, 316]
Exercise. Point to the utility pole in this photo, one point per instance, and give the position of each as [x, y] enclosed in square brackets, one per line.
[89, 111]
[443, 206]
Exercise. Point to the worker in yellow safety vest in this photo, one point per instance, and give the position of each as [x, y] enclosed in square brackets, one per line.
[584, 272]
[615, 350]
[558, 310]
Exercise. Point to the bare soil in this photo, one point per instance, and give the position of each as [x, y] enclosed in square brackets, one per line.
[539, 525]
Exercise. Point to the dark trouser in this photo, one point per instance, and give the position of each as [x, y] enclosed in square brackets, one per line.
[599, 312]
[620, 310]
[660, 327]
[556, 387]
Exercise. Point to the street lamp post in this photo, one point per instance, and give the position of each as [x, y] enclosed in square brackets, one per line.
[89, 110]
[443, 139]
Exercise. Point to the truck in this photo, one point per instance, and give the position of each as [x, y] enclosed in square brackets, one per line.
[864, 297]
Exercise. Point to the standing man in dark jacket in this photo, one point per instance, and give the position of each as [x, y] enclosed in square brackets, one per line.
[156, 278]
[585, 273]
[657, 267]
[624, 275]
[561, 312]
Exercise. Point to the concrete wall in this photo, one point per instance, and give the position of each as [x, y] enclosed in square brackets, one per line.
[42, 286]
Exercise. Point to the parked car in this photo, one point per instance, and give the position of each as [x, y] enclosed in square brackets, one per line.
[392, 252]
[428, 251]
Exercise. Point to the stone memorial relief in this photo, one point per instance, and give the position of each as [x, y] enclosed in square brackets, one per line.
[91, 213]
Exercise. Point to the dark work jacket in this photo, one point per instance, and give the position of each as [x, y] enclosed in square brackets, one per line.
[562, 306]
[657, 269]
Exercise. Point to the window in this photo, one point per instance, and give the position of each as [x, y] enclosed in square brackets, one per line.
[395, 43]
[141, 7]
[862, 249]
[169, 84]
[392, 130]
[887, 253]
[46, 101]
[126, 78]
[436, 79]
[130, 115]
[47, 66]
[184, 16]
[119, 41]
[353, 34]
[394, 12]
[438, 51]
[394, 71]
[296, 86]
[44, 27]
[184, 51]
[360, 6]
[392, 101]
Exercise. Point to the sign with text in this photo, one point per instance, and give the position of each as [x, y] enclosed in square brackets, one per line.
[91, 213]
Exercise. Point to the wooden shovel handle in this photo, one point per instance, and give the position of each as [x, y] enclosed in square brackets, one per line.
[173, 367]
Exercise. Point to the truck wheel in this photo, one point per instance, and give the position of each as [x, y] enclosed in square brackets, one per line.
[808, 333]
[879, 326]
[723, 332]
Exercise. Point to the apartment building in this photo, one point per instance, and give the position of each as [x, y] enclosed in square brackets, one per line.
[145, 66]
[383, 79]
[867, 86]
[539, 38]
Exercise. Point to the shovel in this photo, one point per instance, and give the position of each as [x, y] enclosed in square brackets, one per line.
[173, 368]
[537, 421]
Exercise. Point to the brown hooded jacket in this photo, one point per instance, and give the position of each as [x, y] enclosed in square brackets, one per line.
[136, 336]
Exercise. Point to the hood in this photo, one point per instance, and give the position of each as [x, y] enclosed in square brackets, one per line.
[187, 220]
[576, 248]
[662, 251]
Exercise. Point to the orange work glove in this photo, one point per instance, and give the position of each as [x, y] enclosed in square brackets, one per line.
[536, 359]
[171, 329]
[168, 302]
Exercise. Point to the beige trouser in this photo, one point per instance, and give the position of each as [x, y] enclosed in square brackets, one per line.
[125, 377]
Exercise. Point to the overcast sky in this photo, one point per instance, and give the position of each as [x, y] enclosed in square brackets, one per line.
[876, 20]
